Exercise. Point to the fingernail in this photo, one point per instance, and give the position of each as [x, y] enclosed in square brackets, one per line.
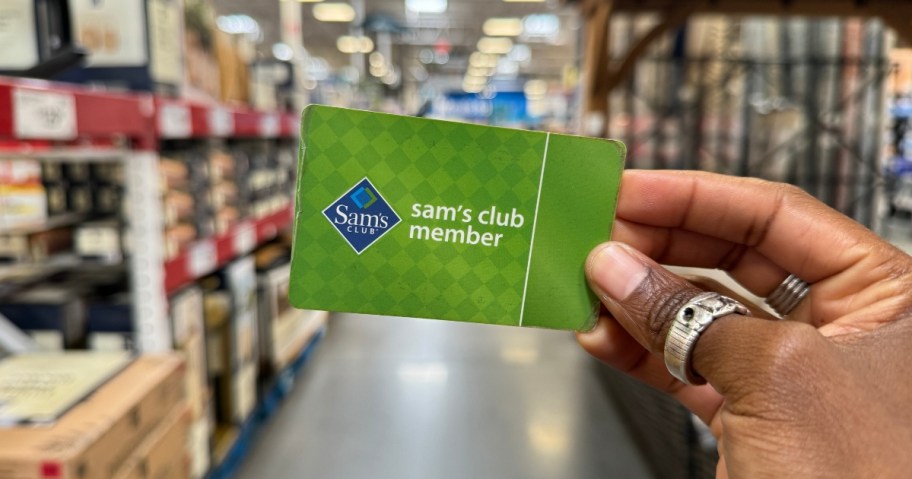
[616, 271]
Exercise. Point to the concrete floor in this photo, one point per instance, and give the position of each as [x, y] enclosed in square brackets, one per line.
[404, 398]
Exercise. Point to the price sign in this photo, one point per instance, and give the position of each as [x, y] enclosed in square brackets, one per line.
[245, 238]
[44, 115]
[269, 125]
[174, 121]
[202, 259]
[221, 122]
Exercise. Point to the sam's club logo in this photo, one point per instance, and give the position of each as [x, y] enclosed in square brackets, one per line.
[361, 215]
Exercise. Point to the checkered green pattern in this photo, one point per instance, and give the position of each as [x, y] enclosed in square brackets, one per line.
[414, 161]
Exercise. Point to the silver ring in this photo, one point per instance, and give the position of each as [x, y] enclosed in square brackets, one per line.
[787, 296]
[692, 319]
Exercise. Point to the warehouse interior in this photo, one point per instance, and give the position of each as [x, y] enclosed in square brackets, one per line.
[149, 160]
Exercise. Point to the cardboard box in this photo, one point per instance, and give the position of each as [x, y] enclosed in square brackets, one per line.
[187, 315]
[38, 388]
[95, 438]
[197, 379]
[163, 454]
[283, 330]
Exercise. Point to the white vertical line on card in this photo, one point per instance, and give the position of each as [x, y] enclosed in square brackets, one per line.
[541, 179]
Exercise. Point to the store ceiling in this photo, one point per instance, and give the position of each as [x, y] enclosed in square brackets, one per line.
[460, 26]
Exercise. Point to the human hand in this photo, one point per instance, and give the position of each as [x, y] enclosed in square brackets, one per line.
[826, 393]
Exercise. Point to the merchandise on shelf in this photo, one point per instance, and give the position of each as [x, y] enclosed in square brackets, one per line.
[109, 325]
[100, 241]
[201, 79]
[111, 423]
[132, 45]
[33, 32]
[188, 328]
[199, 446]
[283, 330]
[231, 319]
[54, 316]
[272, 85]
[23, 200]
[27, 246]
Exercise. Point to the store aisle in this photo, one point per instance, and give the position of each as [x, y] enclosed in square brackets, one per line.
[403, 398]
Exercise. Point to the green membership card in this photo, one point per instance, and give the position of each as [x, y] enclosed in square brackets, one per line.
[424, 218]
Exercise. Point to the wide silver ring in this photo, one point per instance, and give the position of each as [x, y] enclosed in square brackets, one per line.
[785, 298]
[689, 323]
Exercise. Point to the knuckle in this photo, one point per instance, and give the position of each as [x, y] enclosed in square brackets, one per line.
[790, 192]
[656, 302]
[790, 350]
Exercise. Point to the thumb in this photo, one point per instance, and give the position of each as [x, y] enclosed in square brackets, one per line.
[644, 298]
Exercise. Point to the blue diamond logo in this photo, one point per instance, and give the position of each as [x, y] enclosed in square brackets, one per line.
[361, 216]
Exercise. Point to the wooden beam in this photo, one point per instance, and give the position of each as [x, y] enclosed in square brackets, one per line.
[597, 26]
[901, 24]
[669, 21]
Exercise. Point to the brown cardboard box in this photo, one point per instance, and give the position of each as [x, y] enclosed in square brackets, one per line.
[163, 453]
[95, 437]
[197, 378]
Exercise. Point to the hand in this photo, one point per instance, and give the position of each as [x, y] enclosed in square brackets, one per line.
[826, 393]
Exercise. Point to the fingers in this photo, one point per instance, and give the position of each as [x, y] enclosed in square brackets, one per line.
[678, 247]
[796, 232]
[737, 355]
[639, 293]
[611, 343]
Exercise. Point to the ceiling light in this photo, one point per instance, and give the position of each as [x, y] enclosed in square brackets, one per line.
[523, 1]
[334, 12]
[478, 72]
[426, 6]
[350, 44]
[470, 80]
[520, 53]
[478, 59]
[495, 45]
[507, 67]
[237, 24]
[378, 70]
[535, 88]
[541, 25]
[502, 27]
[282, 52]
[426, 56]
[306, 1]
[376, 59]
